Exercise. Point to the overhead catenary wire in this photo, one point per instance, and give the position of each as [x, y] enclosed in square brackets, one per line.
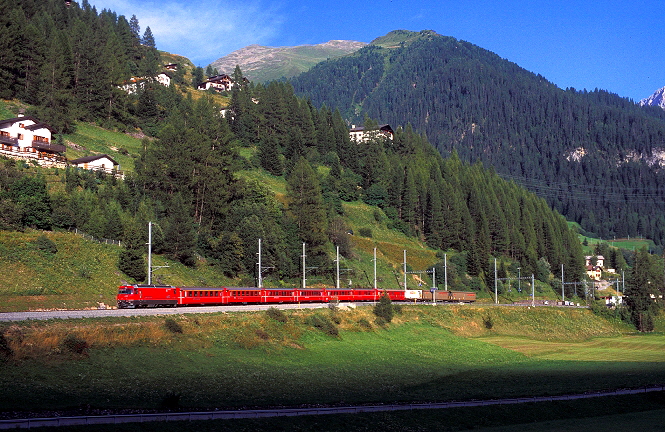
[584, 192]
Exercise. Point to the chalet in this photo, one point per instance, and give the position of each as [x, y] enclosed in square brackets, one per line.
[102, 162]
[25, 137]
[594, 271]
[171, 67]
[220, 83]
[600, 260]
[360, 134]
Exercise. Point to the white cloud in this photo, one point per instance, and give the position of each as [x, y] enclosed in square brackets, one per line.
[202, 30]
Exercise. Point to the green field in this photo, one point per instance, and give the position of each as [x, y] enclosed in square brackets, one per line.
[250, 360]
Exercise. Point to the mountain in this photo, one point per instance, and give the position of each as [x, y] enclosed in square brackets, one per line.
[656, 99]
[262, 63]
[594, 156]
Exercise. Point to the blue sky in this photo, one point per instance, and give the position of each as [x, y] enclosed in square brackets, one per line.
[616, 45]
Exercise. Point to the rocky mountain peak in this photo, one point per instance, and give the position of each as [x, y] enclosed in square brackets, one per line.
[656, 99]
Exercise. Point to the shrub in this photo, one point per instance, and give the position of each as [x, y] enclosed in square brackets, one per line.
[75, 345]
[324, 324]
[365, 232]
[380, 321]
[276, 314]
[172, 326]
[488, 321]
[365, 324]
[5, 350]
[46, 245]
[378, 217]
[384, 308]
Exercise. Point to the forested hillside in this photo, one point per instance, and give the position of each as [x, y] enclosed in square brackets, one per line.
[191, 180]
[68, 61]
[592, 155]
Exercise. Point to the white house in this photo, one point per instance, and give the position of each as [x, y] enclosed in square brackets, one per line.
[25, 137]
[220, 83]
[360, 134]
[102, 162]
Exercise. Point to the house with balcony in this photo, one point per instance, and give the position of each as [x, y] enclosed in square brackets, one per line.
[25, 137]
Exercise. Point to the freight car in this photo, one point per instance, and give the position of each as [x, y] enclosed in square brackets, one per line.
[450, 296]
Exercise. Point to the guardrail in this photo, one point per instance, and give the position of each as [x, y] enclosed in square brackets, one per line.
[291, 412]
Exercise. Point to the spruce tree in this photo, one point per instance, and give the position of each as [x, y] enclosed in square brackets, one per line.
[306, 207]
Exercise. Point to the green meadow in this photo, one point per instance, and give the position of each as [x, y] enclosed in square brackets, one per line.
[252, 359]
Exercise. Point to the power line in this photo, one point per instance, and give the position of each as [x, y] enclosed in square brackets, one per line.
[575, 191]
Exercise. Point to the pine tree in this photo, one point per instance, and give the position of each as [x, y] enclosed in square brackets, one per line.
[269, 156]
[148, 39]
[305, 204]
[641, 285]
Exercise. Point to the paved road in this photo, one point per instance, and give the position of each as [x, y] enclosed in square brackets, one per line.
[290, 412]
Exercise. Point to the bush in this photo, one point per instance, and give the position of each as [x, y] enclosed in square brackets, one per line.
[75, 345]
[365, 324]
[5, 350]
[276, 314]
[488, 321]
[384, 308]
[324, 324]
[365, 232]
[46, 245]
[172, 326]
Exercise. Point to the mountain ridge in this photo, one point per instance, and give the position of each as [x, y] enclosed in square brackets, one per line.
[263, 63]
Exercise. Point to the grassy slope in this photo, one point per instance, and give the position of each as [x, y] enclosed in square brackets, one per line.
[248, 359]
[81, 274]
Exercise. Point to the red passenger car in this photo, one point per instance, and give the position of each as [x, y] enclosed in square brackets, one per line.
[170, 296]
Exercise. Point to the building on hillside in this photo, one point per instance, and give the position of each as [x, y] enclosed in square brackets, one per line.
[219, 83]
[359, 134]
[25, 137]
[171, 67]
[135, 83]
[101, 162]
[594, 271]
[600, 260]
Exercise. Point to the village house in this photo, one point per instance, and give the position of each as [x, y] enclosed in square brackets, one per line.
[101, 162]
[171, 67]
[359, 134]
[25, 137]
[594, 271]
[220, 83]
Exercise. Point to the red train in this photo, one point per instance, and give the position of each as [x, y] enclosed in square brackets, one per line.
[170, 296]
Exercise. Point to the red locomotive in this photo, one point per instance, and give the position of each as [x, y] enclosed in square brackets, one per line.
[170, 296]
